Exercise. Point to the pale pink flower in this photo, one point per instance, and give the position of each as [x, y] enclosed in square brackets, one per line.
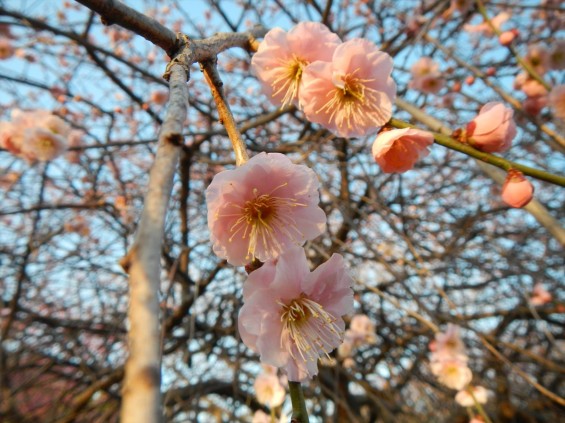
[262, 208]
[520, 80]
[398, 150]
[42, 145]
[517, 191]
[450, 341]
[452, 373]
[353, 94]
[476, 420]
[540, 295]
[11, 137]
[493, 129]
[261, 417]
[465, 397]
[538, 58]
[556, 101]
[6, 48]
[282, 56]
[75, 140]
[292, 316]
[363, 328]
[557, 55]
[484, 28]
[268, 390]
[426, 76]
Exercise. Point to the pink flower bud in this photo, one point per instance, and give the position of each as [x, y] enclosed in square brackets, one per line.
[398, 150]
[517, 191]
[493, 129]
[507, 37]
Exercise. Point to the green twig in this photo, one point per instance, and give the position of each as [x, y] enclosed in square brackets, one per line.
[299, 413]
[491, 159]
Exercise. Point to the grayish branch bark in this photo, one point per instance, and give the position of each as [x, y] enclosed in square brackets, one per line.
[141, 391]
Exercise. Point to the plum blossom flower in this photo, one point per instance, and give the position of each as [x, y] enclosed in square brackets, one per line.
[449, 359]
[556, 101]
[269, 390]
[292, 316]
[426, 76]
[262, 208]
[282, 56]
[538, 58]
[34, 135]
[540, 295]
[353, 94]
[517, 191]
[484, 27]
[452, 373]
[465, 397]
[493, 129]
[42, 145]
[398, 150]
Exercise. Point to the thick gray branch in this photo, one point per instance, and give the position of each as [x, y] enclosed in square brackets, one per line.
[141, 392]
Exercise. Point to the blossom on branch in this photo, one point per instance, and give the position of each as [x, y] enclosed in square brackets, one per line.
[449, 359]
[426, 76]
[263, 208]
[282, 56]
[34, 135]
[517, 191]
[398, 150]
[467, 397]
[540, 295]
[352, 95]
[556, 100]
[292, 316]
[493, 129]
[269, 390]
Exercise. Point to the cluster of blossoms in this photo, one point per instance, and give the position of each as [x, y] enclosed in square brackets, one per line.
[36, 135]
[344, 86]
[361, 332]
[449, 359]
[265, 210]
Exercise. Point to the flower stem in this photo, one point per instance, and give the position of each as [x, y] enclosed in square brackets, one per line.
[299, 413]
[506, 165]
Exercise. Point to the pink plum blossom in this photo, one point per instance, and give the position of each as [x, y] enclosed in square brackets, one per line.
[556, 101]
[362, 328]
[484, 27]
[42, 145]
[538, 58]
[493, 129]
[398, 150]
[467, 397]
[517, 191]
[534, 105]
[353, 94]
[262, 208]
[426, 76]
[282, 56]
[452, 372]
[540, 295]
[292, 316]
[159, 97]
[269, 390]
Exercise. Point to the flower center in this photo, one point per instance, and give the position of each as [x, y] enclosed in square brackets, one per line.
[352, 103]
[289, 80]
[312, 330]
[264, 219]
